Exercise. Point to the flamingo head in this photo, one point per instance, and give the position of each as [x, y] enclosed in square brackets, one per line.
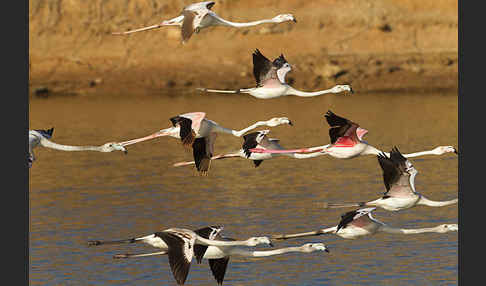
[342, 87]
[278, 121]
[284, 18]
[113, 146]
[444, 149]
[311, 247]
[254, 241]
[443, 228]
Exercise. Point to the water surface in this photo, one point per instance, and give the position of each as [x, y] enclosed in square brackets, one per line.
[78, 196]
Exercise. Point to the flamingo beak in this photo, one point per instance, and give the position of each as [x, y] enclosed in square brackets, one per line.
[351, 90]
[455, 151]
[327, 250]
[270, 244]
[290, 123]
[294, 20]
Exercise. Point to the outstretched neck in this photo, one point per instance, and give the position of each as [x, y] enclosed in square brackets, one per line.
[205, 241]
[263, 253]
[49, 144]
[224, 22]
[242, 131]
[427, 202]
[389, 229]
[293, 91]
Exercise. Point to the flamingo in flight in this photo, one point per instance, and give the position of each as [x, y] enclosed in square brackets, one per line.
[359, 223]
[399, 178]
[270, 80]
[347, 142]
[198, 16]
[219, 256]
[199, 132]
[41, 138]
[258, 139]
[181, 245]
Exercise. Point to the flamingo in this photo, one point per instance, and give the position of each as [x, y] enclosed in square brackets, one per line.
[399, 178]
[199, 132]
[218, 256]
[198, 16]
[182, 244]
[359, 223]
[347, 142]
[270, 80]
[41, 138]
[258, 139]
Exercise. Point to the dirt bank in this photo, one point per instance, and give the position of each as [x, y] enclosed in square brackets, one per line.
[375, 45]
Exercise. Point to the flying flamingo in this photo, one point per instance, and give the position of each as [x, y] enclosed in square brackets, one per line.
[258, 139]
[41, 138]
[358, 223]
[399, 178]
[180, 245]
[218, 256]
[199, 132]
[347, 142]
[270, 80]
[198, 16]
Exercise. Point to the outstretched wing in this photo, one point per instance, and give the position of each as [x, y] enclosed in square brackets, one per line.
[186, 132]
[350, 216]
[263, 68]
[391, 172]
[180, 254]
[46, 133]
[202, 157]
[249, 142]
[187, 28]
[340, 127]
[218, 268]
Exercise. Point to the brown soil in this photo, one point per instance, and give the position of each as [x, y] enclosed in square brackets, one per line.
[376, 45]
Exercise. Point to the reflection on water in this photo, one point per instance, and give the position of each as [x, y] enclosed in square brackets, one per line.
[78, 196]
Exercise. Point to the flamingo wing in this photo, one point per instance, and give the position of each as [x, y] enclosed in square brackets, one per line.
[249, 142]
[218, 268]
[186, 131]
[46, 133]
[180, 253]
[263, 69]
[351, 216]
[340, 127]
[188, 25]
[201, 157]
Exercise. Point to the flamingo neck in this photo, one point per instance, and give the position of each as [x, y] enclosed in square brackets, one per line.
[427, 202]
[171, 131]
[224, 22]
[293, 91]
[394, 230]
[49, 144]
[264, 253]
